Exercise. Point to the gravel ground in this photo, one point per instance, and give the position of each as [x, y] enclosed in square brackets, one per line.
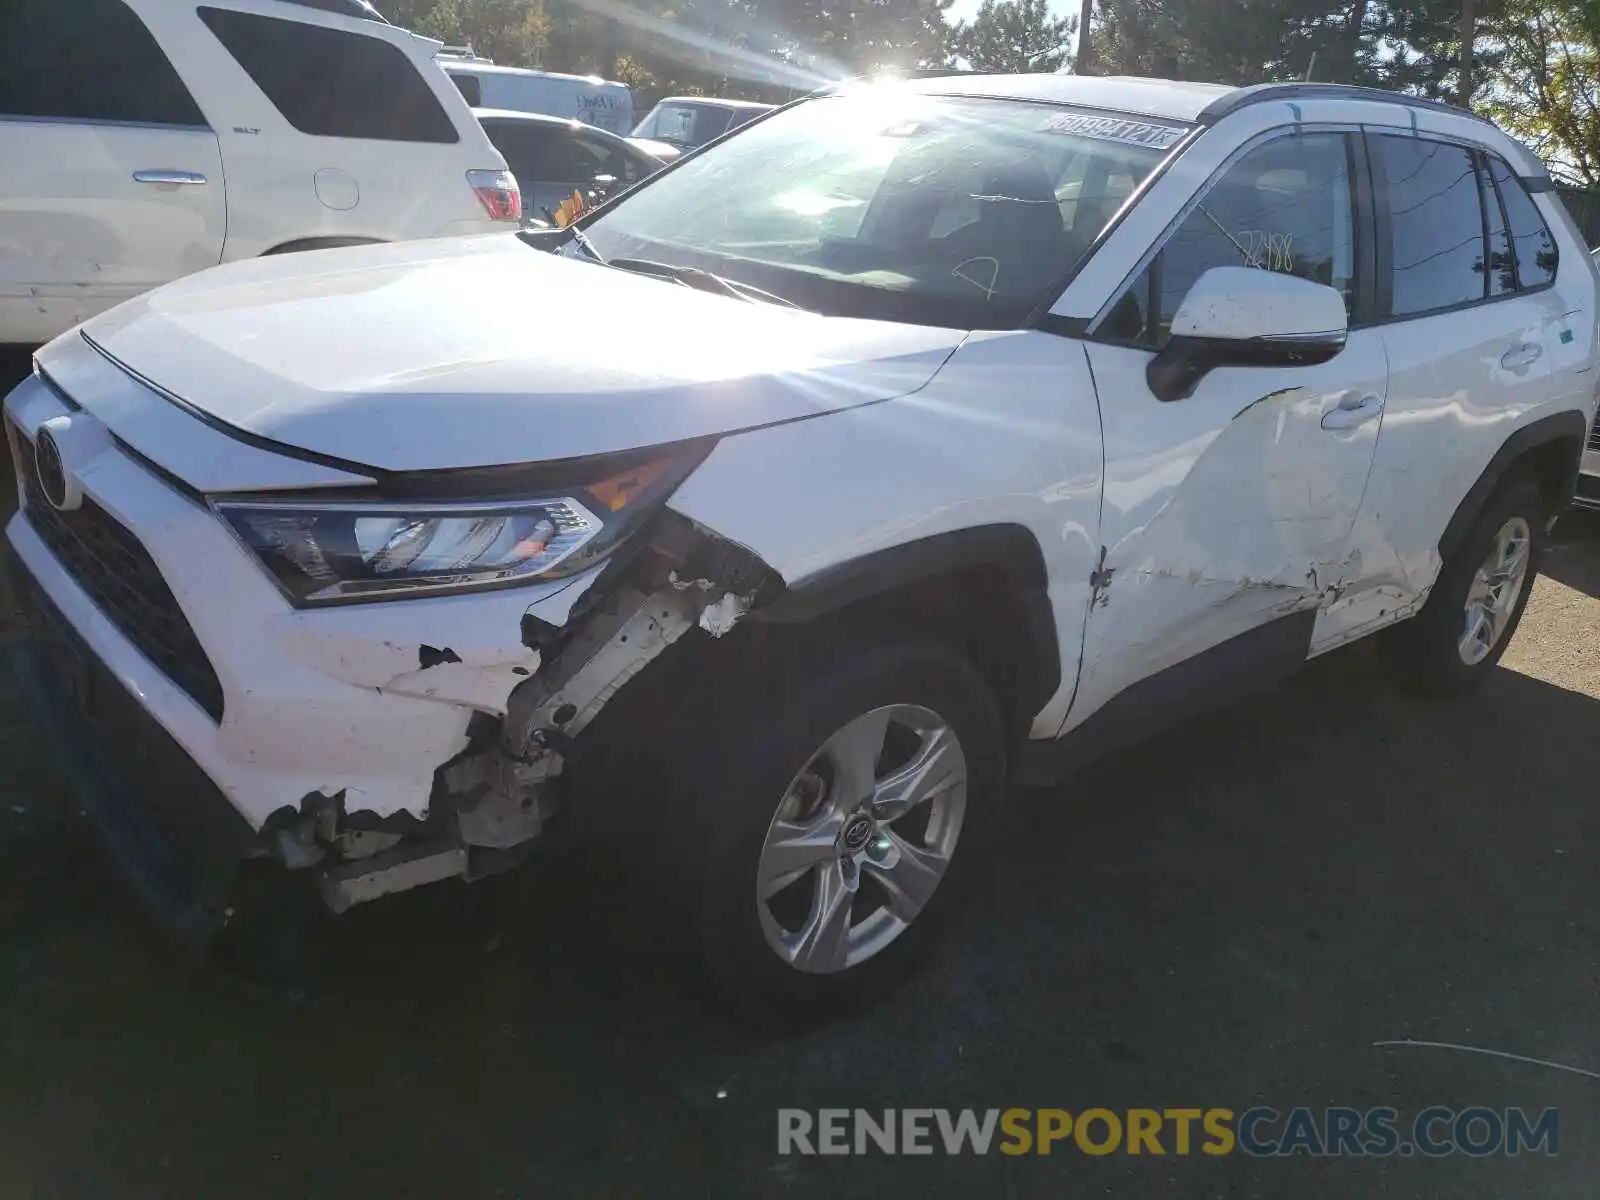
[1228, 916]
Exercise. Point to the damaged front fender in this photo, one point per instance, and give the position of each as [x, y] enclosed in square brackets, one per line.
[465, 650]
[494, 799]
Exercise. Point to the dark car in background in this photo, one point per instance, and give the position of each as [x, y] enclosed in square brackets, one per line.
[552, 157]
[690, 121]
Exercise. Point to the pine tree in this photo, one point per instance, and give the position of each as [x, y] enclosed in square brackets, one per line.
[1014, 36]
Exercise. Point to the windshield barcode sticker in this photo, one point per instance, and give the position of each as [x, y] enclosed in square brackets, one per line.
[1114, 129]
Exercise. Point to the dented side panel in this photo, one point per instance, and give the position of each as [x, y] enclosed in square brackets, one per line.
[1222, 511]
[1006, 433]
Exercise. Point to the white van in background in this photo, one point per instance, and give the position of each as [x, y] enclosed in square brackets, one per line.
[602, 103]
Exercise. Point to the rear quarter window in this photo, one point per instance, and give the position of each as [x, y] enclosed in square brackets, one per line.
[470, 87]
[331, 82]
[1533, 245]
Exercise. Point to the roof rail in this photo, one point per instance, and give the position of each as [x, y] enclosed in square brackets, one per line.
[463, 52]
[1262, 93]
[345, 8]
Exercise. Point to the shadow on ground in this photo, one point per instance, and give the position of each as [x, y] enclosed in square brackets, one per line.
[1230, 915]
[1573, 556]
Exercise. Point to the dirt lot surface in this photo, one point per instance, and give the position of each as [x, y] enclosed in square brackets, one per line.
[1230, 915]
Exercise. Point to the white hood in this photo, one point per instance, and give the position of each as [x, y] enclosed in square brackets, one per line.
[482, 351]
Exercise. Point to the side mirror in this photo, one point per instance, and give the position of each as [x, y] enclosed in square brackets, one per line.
[1243, 317]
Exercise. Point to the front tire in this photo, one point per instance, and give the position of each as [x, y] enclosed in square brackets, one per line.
[833, 817]
[1453, 644]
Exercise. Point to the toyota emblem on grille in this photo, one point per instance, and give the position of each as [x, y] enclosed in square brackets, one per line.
[51, 472]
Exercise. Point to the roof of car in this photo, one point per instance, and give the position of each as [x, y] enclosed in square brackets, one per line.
[717, 100]
[1168, 98]
[1173, 99]
[517, 114]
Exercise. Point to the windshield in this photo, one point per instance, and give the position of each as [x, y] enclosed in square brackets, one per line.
[895, 205]
[686, 125]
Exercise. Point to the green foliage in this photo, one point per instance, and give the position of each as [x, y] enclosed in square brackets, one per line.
[1545, 85]
[1241, 41]
[1536, 62]
[1014, 36]
[756, 49]
[511, 31]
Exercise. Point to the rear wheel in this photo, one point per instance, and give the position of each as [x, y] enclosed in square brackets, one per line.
[1478, 600]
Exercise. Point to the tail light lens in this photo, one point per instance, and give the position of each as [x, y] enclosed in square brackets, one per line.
[497, 191]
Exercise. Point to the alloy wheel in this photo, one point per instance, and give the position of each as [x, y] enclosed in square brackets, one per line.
[862, 836]
[1495, 589]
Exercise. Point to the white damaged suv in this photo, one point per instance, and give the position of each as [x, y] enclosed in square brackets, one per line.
[968, 427]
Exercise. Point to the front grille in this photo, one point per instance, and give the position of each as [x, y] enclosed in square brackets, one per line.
[119, 575]
[1594, 434]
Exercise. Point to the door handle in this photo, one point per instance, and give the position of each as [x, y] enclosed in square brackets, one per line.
[174, 178]
[1520, 358]
[1353, 412]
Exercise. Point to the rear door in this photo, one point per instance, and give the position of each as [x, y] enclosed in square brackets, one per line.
[110, 179]
[1478, 340]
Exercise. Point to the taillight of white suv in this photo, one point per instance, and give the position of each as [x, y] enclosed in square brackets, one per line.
[499, 194]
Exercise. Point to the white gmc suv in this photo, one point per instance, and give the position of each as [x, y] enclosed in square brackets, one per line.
[144, 140]
[972, 426]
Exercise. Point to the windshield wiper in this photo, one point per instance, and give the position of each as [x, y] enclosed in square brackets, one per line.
[578, 236]
[556, 236]
[705, 281]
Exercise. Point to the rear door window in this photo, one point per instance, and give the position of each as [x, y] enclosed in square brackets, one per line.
[331, 82]
[1436, 216]
[90, 60]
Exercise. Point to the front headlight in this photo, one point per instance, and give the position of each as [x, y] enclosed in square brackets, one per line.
[332, 551]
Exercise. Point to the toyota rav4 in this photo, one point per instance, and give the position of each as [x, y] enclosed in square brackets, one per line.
[970, 426]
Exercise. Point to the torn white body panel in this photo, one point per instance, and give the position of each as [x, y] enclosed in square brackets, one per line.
[1223, 511]
[464, 650]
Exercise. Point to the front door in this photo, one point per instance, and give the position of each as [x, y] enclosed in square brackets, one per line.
[1227, 514]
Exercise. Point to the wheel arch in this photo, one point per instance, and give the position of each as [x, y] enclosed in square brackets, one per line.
[320, 243]
[1550, 449]
[985, 588]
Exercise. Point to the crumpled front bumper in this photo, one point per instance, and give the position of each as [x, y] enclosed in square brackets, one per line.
[362, 703]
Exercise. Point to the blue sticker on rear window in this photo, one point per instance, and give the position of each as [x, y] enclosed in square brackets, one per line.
[1114, 129]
